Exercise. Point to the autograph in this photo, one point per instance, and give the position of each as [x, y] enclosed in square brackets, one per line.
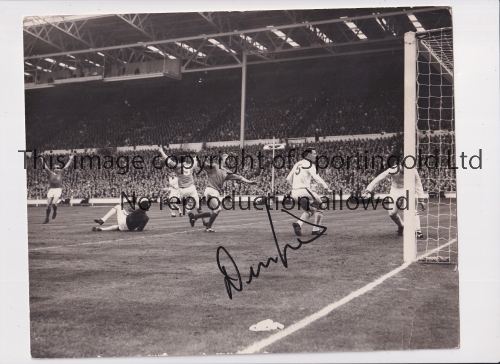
[236, 283]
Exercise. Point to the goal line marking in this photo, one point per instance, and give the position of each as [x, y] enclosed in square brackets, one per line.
[259, 345]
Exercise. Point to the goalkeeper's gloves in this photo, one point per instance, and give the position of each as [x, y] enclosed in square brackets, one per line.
[422, 204]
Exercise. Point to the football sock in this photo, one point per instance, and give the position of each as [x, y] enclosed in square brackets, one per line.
[202, 215]
[318, 217]
[110, 228]
[47, 212]
[417, 221]
[213, 216]
[109, 214]
[397, 220]
[55, 212]
[305, 216]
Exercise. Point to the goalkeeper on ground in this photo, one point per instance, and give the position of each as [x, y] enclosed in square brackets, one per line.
[398, 191]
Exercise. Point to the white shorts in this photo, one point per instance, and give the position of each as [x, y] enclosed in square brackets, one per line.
[190, 192]
[121, 216]
[398, 193]
[301, 194]
[55, 193]
[174, 192]
[214, 198]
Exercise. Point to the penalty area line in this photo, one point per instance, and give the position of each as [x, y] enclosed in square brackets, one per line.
[135, 237]
[259, 345]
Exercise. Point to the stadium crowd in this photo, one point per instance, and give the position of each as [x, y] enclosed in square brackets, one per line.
[280, 102]
[211, 119]
[347, 115]
[94, 182]
[209, 111]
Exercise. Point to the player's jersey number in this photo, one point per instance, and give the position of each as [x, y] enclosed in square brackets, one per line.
[297, 170]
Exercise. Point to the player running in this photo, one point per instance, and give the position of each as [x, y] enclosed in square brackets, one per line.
[300, 179]
[55, 187]
[397, 192]
[184, 173]
[215, 190]
[128, 219]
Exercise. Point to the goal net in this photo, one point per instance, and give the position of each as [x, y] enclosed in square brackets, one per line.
[430, 137]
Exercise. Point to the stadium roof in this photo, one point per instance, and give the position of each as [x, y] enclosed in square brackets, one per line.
[217, 40]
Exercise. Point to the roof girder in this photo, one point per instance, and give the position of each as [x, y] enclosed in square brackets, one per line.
[275, 50]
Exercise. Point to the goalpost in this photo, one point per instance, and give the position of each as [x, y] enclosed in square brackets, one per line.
[429, 136]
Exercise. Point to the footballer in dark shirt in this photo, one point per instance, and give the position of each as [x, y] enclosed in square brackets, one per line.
[129, 219]
[55, 187]
[215, 190]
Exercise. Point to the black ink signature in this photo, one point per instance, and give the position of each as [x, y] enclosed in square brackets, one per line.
[236, 283]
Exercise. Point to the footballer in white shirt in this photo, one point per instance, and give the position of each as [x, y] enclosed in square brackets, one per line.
[300, 179]
[174, 194]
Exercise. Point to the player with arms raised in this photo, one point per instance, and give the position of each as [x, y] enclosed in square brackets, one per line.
[55, 187]
[215, 190]
[300, 179]
[184, 173]
[397, 193]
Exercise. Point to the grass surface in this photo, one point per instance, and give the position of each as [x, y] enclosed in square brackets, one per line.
[160, 291]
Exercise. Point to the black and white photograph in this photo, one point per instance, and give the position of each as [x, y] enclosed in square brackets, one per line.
[241, 182]
[275, 181]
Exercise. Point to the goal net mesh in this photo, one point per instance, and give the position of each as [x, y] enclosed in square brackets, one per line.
[435, 147]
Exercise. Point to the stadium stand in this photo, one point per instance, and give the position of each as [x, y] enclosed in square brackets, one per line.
[209, 110]
[281, 103]
[105, 183]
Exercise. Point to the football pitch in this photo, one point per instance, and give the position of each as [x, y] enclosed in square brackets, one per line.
[161, 291]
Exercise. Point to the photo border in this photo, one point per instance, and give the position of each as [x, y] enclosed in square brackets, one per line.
[476, 41]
